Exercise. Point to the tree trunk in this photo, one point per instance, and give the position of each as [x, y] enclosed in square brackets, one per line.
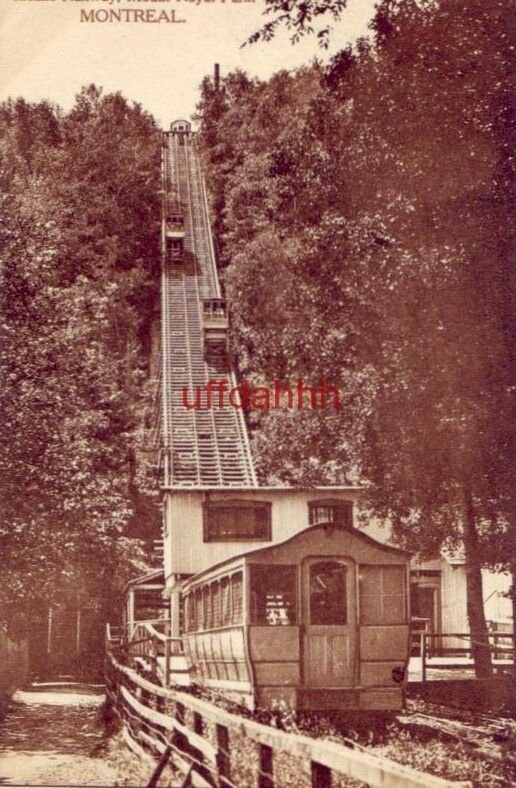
[512, 548]
[513, 592]
[475, 599]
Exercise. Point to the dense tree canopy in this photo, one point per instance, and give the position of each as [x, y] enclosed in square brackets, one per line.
[364, 214]
[79, 262]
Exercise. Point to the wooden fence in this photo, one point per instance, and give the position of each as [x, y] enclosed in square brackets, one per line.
[217, 748]
[436, 651]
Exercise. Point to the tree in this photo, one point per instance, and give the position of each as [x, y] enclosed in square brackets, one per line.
[390, 246]
[79, 258]
[445, 355]
[300, 17]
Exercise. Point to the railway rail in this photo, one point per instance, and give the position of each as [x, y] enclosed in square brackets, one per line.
[493, 738]
[486, 740]
[464, 714]
[202, 446]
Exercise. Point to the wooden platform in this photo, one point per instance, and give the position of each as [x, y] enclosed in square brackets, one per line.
[453, 668]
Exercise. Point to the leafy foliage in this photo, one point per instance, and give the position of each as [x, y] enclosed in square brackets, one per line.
[78, 279]
[301, 18]
[366, 220]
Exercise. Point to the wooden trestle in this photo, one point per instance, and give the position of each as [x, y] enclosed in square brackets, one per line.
[209, 446]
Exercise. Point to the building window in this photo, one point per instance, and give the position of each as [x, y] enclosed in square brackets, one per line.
[329, 510]
[382, 595]
[232, 521]
[273, 595]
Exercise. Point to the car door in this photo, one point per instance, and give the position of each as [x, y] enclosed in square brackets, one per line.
[329, 622]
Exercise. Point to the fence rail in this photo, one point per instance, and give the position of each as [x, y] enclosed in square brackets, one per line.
[222, 749]
[459, 654]
[147, 646]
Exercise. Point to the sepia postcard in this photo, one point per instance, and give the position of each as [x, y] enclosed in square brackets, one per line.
[257, 326]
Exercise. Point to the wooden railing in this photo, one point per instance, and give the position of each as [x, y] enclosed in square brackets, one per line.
[148, 645]
[218, 748]
[114, 636]
[417, 627]
[437, 651]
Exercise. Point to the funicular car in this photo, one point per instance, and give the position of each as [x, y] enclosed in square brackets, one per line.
[320, 621]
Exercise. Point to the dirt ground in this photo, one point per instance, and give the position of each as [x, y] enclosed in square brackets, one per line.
[61, 738]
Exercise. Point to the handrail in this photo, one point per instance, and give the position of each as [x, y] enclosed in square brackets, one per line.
[428, 648]
[150, 622]
[113, 632]
[147, 642]
[155, 633]
[160, 635]
[467, 635]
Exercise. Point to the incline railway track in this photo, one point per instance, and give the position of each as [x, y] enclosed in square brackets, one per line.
[207, 446]
[491, 740]
[493, 737]
[463, 714]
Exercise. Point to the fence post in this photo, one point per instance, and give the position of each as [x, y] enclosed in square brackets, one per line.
[423, 657]
[265, 777]
[167, 663]
[222, 758]
[180, 713]
[156, 774]
[198, 723]
[321, 775]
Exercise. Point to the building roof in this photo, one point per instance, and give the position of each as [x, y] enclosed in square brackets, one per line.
[157, 575]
